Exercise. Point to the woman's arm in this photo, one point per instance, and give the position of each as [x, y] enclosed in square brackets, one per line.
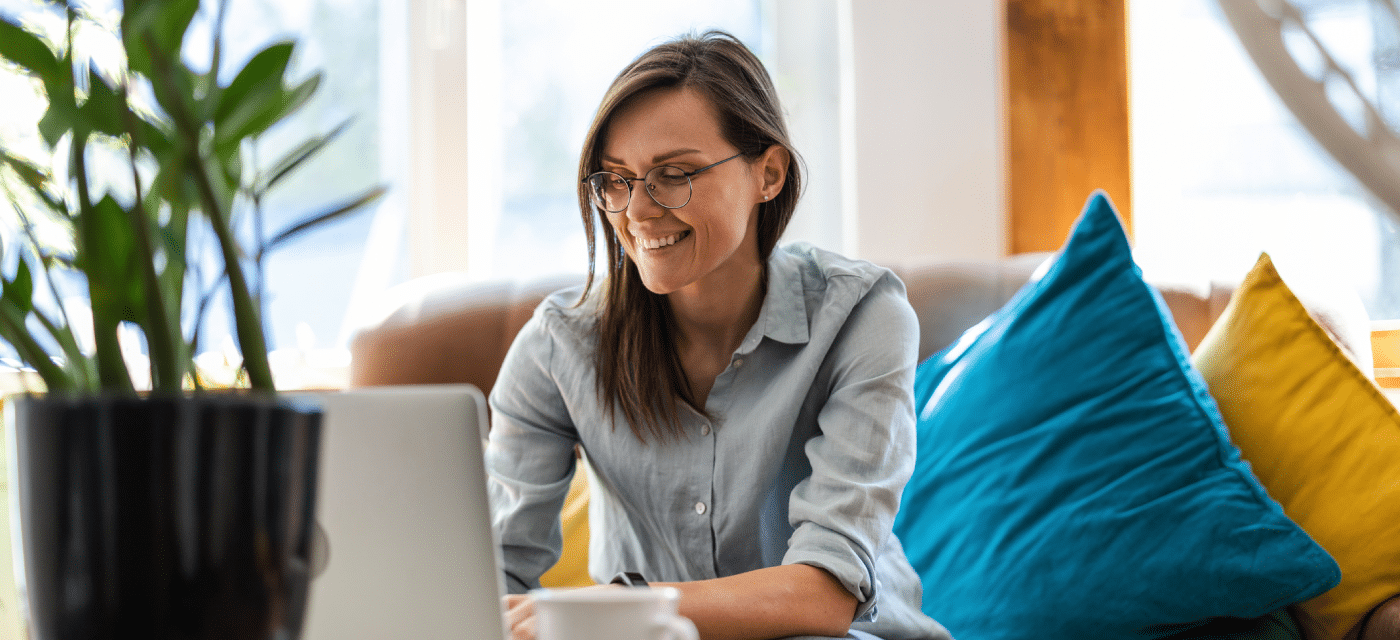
[530, 456]
[863, 454]
[775, 602]
[787, 600]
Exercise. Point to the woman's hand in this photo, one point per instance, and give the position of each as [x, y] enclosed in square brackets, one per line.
[787, 600]
[520, 615]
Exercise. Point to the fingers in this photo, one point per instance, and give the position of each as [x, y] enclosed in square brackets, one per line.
[520, 615]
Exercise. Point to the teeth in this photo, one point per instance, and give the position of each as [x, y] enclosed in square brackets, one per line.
[657, 243]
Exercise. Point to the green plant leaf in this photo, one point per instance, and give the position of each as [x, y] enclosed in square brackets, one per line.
[332, 214]
[231, 163]
[27, 50]
[258, 80]
[296, 98]
[14, 331]
[294, 158]
[255, 100]
[105, 110]
[62, 113]
[154, 139]
[75, 363]
[173, 236]
[166, 21]
[273, 110]
[109, 260]
[29, 173]
[174, 92]
[20, 291]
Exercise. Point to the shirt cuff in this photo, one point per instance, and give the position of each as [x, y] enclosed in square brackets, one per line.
[833, 553]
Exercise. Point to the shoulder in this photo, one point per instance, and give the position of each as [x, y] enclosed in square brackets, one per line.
[837, 299]
[564, 314]
[830, 278]
[559, 325]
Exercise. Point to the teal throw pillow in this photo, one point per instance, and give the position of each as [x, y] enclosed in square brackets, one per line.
[1074, 478]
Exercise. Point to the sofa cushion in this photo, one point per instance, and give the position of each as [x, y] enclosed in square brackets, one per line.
[1320, 437]
[1278, 625]
[1074, 479]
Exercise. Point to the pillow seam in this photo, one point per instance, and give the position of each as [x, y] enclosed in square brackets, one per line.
[1316, 329]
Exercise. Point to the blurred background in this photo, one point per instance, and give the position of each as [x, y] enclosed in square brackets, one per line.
[473, 113]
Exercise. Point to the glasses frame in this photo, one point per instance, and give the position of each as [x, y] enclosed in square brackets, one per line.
[593, 193]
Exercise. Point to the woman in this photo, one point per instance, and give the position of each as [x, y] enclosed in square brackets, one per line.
[746, 410]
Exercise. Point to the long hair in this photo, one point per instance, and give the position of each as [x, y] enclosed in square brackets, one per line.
[639, 369]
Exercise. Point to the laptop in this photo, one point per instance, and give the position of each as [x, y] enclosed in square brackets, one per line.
[402, 501]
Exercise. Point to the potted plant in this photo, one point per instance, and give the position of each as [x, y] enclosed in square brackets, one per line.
[149, 505]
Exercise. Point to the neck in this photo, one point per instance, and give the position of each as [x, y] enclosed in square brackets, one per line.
[716, 315]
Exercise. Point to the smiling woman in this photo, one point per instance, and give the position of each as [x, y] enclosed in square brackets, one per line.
[745, 410]
[694, 242]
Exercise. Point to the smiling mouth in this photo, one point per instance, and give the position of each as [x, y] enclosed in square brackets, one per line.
[652, 244]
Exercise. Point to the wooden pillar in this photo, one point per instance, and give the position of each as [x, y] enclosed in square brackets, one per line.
[1067, 115]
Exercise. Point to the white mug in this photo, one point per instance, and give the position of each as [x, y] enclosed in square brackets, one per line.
[622, 613]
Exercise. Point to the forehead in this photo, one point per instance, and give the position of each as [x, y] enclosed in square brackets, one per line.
[660, 121]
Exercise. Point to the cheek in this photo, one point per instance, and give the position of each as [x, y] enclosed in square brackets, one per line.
[734, 215]
[618, 223]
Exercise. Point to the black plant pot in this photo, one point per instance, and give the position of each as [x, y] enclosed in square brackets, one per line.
[164, 517]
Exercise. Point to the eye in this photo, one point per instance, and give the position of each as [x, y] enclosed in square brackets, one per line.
[670, 176]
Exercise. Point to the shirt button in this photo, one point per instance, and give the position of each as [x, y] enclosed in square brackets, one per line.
[700, 508]
[738, 363]
[704, 429]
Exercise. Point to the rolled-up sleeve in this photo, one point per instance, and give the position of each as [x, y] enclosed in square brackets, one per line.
[529, 459]
[843, 513]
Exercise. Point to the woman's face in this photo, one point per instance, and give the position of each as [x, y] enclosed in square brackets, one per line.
[713, 238]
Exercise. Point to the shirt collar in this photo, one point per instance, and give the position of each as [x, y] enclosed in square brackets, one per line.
[783, 316]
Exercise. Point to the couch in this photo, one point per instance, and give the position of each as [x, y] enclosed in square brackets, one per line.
[447, 328]
[1114, 474]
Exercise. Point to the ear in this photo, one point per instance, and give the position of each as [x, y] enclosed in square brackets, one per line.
[773, 166]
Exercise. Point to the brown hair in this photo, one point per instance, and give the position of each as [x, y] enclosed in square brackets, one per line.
[639, 369]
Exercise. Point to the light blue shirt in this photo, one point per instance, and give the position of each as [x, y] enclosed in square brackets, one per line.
[811, 444]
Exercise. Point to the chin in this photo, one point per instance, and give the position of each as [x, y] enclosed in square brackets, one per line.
[661, 284]
[658, 288]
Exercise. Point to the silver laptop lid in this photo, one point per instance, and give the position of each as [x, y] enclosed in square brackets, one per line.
[403, 502]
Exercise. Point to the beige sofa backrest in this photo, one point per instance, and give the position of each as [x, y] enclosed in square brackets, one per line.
[446, 329]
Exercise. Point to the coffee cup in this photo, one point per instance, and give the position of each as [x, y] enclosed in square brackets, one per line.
[620, 613]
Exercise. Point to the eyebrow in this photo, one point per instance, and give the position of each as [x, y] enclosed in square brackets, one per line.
[658, 159]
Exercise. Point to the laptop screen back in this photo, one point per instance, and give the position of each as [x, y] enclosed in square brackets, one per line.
[403, 502]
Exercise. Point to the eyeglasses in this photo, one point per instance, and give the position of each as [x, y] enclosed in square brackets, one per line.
[668, 186]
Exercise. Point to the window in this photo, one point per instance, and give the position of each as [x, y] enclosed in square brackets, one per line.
[472, 113]
[1222, 170]
[307, 290]
[538, 69]
[555, 61]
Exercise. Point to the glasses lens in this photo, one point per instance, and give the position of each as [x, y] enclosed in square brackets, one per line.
[610, 192]
[669, 186]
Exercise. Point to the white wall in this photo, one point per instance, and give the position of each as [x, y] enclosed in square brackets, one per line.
[928, 130]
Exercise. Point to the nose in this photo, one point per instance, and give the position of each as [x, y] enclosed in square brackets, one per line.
[641, 206]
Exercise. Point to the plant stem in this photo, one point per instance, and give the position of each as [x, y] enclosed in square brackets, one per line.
[245, 311]
[14, 331]
[111, 366]
[77, 362]
[167, 371]
[259, 235]
[247, 321]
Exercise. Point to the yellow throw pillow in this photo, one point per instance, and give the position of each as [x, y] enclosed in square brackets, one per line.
[1319, 436]
[572, 568]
